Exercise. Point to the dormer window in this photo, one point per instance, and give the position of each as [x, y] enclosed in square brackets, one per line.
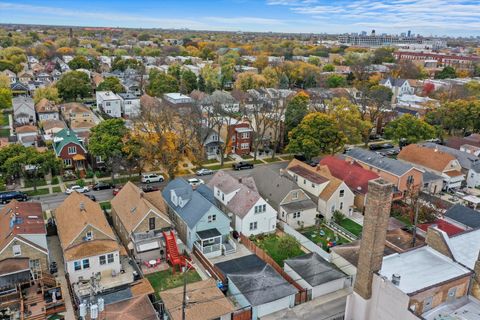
[88, 236]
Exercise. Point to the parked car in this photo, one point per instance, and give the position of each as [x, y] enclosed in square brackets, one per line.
[116, 190]
[77, 188]
[195, 182]
[102, 186]
[53, 267]
[375, 147]
[152, 177]
[204, 172]
[242, 165]
[11, 195]
[147, 189]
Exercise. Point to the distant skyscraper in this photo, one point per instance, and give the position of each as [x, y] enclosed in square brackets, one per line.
[409, 33]
[373, 32]
[364, 33]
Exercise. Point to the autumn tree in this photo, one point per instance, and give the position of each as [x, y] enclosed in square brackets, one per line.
[80, 62]
[335, 81]
[160, 83]
[50, 93]
[73, 85]
[410, 129]
[250, 80]
[5, 98]
[317, 133]
[446, 73]
[111, 84]
[296, 110]
[4, 81]
[188, 81]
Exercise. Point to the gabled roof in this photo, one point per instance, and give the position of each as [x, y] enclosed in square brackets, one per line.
[71, 219]
[314, 269]
[464, 215]
[131, 205]
[426, 157]
[246, 195]
[22, 102]
[466, 160]
[45, 106]
[198, 201]
[397, 168]
[64, 137]
[74, 107]
[138, 307]
[354, 176]
[26, 129]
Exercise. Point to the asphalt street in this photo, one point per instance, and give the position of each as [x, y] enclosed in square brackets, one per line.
[50, 202]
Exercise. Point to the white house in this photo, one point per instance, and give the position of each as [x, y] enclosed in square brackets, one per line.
[110, 103]
[331, 193]
[250, 213]
[89, 245]
[11, 75]
[473, 176]
[23, 110]
[131, 104]
[314, 273]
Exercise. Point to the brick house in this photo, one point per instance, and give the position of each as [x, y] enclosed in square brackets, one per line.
[241, 138]
[23, 234]
[70, 149]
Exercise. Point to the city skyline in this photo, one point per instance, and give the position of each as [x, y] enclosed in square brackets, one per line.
[426, 17]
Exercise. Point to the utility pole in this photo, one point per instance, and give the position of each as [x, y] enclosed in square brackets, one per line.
[415, 220]
[184, 303]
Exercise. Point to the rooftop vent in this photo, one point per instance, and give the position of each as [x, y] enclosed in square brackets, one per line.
[396, 279]
[82, 206]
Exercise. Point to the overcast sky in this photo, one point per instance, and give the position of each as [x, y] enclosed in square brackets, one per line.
[428, 17]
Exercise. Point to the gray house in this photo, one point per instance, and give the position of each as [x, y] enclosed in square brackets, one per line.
[293, 204]
[23, 110]
[198, 221]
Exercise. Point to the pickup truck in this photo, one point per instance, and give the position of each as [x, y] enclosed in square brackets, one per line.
[242, 165]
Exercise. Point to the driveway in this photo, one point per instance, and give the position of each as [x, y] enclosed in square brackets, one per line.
[55, 251]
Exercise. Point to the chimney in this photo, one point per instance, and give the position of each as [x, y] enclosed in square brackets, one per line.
[82, 206]
[141, 194]
[438, 240]
[375, 223]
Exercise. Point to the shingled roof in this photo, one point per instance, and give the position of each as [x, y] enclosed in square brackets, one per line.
[426, 157]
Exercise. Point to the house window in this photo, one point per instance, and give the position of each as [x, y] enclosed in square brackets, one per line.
[427, 304]
[245, 135]
[304, 181]
[86, 263]
[151, 223]
[103, 260]
[107, 104]
[313, 185]
[17, 250]
[342, 193]
[77, 265]
[410, 180]
[295, 195]
[98, 159]
[89, 236]
[333, 208]
[67, 162]
[296, 215]
[110, 258]
[72, 150]
[341, 205]
[253, 225]
[245, 146]
[261, 208]
[34, 263]
[212, 218]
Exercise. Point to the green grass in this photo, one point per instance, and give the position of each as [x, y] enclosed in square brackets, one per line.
[3, 119]
[246, 157]
[56, 190]
[351, 226]
[106, 205]
[4, 132]
[54, 180]
[313, 233]
[218, 166]
[288, 157]
[164, 280]
[270, 160]
[272, 245]
[40, 182]
[39, 192]
[258, 161]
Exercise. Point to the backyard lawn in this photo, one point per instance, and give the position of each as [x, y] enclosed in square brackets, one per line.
[106, 205]
[4, 132]
[351, 226]
[322, 236]
[3, 119]
[279, 248]
[164, 280]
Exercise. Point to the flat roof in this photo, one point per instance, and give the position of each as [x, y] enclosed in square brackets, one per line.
[314, 269]
[465, 247]
[465, 308]
[421, 268]
[208, 234]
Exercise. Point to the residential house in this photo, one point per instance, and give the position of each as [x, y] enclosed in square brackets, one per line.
[27, 135]
[11, 75]
[432, 182]
[437, 161]
[88, 243]
[207, 302]
[250, 213]
[404, 176]
[46, 110]
[56, 75]
[140, 218]
[293, 204]
[472, 140]
[398, 86]
[70, 149]
[23, 234]
[78, 116]
[23, 110]
[256, 284]
[314, 273]
[211, 143]
[354, 176]
[20, 89]
[330, 193]
[239, 136]
[51, 127]
[131, 105]
[198, 221]
[109, 103]
[137, 307]
[25, 77]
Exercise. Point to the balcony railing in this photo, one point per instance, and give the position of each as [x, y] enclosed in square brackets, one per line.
[209, 249]
[154, 234]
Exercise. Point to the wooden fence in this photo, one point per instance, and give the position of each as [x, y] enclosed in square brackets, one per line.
[303, 295]
[214, 271]
[242, 314]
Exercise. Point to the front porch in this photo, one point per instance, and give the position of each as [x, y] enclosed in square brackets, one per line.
[211, 243]
[452, 180]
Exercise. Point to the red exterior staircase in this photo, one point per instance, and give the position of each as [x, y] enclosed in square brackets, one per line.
[173, 256]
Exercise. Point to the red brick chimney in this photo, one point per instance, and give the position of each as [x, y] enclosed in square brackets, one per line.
[374, 234]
